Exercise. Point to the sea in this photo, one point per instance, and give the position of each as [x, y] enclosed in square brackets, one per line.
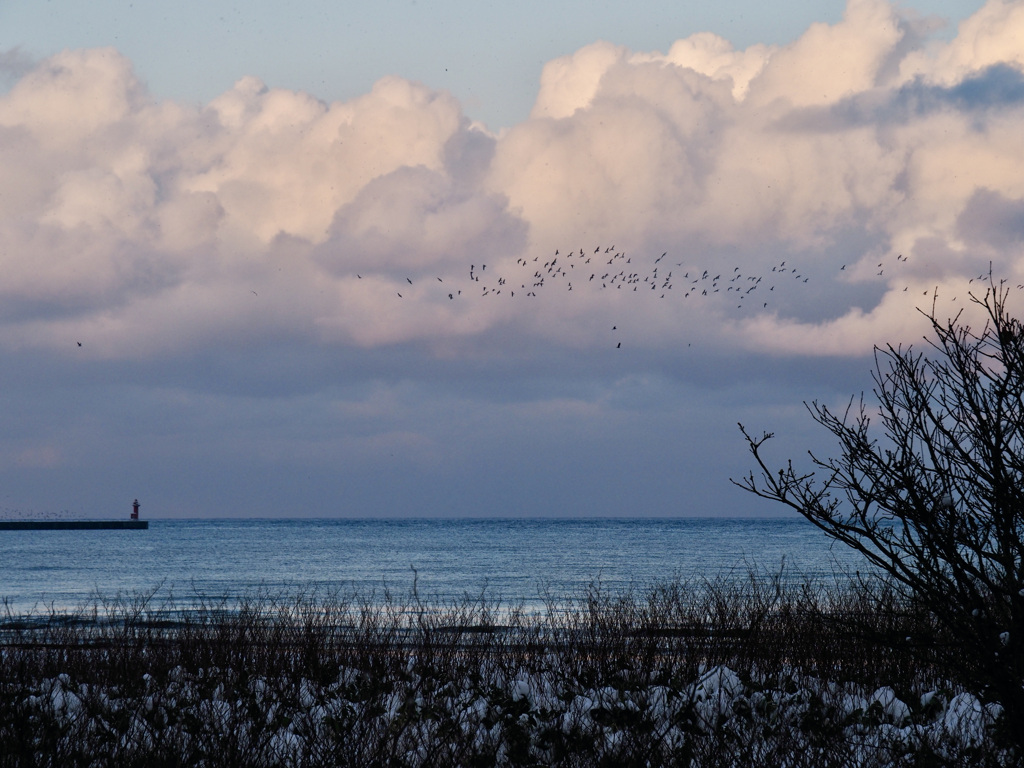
[190, 562]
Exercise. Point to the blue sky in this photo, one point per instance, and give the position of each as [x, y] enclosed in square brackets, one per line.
[488, 54]
[477, 260]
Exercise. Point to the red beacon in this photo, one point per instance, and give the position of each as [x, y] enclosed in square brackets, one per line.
[135, 510]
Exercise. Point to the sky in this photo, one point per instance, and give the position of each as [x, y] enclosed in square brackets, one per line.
[468, 259]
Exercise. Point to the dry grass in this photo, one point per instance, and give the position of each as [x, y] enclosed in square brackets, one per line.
[753, 672]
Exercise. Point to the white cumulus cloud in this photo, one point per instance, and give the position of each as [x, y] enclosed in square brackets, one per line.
[862, 153]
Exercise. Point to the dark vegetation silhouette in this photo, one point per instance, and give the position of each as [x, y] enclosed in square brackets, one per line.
[737, 671]
[934, 499]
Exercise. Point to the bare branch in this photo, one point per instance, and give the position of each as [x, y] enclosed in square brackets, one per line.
[934, 499]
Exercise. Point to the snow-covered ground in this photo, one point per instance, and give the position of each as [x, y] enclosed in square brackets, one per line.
[498, 714]
[736, 674]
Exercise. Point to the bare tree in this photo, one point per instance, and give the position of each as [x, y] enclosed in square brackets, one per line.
[936, 503]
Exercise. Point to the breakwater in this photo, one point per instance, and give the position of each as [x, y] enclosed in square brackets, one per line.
[73, 525]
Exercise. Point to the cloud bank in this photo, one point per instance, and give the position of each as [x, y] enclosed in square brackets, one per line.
[148, 227]
[791, 202]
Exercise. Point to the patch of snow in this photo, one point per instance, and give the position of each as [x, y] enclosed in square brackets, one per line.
[892, 707]
[966, 718]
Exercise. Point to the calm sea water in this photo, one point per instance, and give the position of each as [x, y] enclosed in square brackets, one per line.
[508, 559]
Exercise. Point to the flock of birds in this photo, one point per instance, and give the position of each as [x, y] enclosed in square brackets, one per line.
[606, 268]
[610, 269]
